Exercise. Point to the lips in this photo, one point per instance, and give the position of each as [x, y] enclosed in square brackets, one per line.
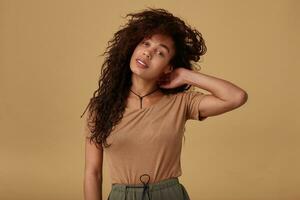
[142, 62]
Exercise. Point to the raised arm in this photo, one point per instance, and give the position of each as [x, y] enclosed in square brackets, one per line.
[225, 95]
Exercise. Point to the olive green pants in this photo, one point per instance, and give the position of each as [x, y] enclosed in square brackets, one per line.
[168, 189]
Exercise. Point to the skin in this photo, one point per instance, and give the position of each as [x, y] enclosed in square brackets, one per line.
[147, 80]
[92, 183]
[225, 96]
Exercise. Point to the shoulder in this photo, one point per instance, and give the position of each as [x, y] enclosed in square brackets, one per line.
[192, 99]
[186, 98]
[189, 95]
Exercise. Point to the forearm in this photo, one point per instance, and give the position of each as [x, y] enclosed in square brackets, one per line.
[92, 187]
[220, 88]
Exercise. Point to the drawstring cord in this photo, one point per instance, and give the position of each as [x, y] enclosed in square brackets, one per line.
[145, 187]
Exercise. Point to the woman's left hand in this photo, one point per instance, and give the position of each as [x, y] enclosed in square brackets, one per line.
[173, 79]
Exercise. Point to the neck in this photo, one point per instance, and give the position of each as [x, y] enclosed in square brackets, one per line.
[143, 87]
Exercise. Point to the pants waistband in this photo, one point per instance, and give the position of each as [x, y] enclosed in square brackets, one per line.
[151, 186]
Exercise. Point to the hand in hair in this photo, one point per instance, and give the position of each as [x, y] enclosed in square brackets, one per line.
[172, 79]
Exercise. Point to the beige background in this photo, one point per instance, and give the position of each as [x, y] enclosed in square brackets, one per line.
[49, 69]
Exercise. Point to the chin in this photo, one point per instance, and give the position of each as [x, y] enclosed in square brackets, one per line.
[136, 71]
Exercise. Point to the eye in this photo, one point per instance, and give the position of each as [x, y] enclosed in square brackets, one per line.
[146, 43]
[160, 53]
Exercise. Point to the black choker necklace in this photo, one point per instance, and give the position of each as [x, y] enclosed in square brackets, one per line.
[141, 97]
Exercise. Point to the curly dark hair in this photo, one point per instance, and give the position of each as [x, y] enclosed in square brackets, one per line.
[108, 103]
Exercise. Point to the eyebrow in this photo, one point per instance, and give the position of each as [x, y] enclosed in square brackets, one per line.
[162, 45]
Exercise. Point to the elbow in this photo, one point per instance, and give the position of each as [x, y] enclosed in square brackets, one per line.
[241, 98]
[93, 174]
[238, 99]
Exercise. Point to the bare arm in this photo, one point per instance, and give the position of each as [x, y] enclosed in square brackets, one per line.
[93, 170]
[225, 95]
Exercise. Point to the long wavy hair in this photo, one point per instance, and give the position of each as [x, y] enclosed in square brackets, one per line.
[107, 105]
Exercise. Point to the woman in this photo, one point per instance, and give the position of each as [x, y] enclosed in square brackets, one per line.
[142, 105]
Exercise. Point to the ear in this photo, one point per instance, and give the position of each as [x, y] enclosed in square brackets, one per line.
[169, 69]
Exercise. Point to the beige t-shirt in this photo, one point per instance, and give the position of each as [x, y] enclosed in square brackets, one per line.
[148, 140]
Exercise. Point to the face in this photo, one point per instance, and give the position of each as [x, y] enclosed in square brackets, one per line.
[151, 57]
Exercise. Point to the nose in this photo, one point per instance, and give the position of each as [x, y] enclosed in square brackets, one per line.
[146, 53]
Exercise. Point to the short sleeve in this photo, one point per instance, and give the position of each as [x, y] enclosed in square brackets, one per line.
[192, 101]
